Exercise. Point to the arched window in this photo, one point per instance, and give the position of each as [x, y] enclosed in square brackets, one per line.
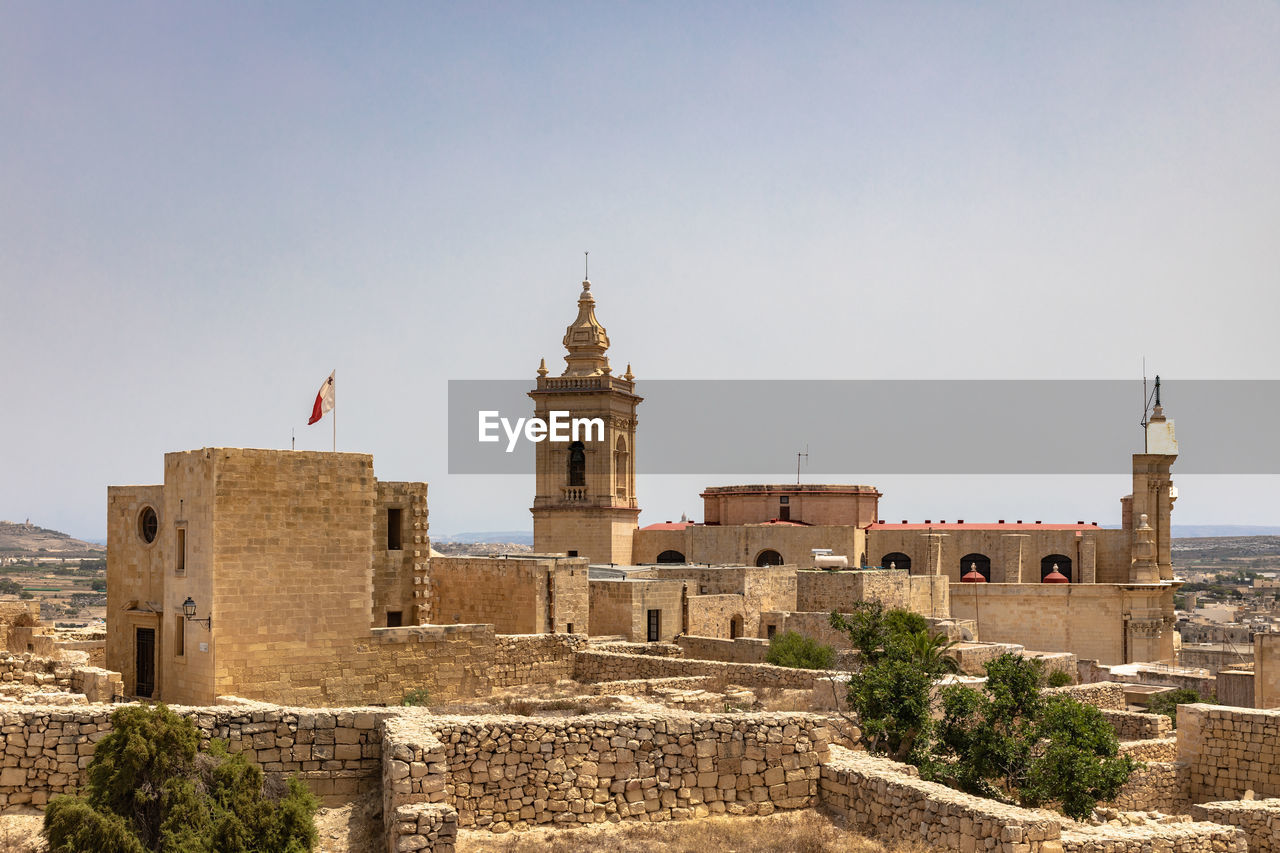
[1063, 563]
[620, 467]
[981, 562]
[577, 464]
[671, 557]
[769, 557]
[897, 560]
[735, 627]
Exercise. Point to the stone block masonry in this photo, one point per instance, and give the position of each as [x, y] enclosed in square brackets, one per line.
[1229, 751]
[414, 787]
[1260, 819]
[513, 773]
[592, 666]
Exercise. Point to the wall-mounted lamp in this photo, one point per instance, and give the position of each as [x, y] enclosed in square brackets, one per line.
[189, 611]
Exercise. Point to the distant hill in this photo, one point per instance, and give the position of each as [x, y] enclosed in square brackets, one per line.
[517, 537]
[25, 539]
[1196, 531]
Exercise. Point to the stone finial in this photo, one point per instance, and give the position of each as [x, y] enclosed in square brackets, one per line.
[628, 375]
[892, 566]
[542, 368]
[586, 340]
[1144, 568]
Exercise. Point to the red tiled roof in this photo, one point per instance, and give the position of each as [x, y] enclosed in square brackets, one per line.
[990, 525]
[667, 525]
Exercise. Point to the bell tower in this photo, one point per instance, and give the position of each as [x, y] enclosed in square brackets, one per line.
[1153, 497]
[585, 500]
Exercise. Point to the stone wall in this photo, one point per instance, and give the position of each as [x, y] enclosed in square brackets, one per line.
[512, 773]
[1106, 695]
[889, 800]
[1131, 725]
[336, 752]
[18, 614]
[1229, 751]
[823, 591]
[1235, 687]
[534, 658]
[415, 815]
[621, 608]
[517, 595]
[1156, 786]
[885, 799]
[711, 615]
[1157, 749]
[592, 666]
[99, 686]
[1260, 820]
[741, 650]
[1088, 620]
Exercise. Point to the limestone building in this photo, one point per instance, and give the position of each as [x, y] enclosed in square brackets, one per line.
[1100, 593]
[286, 559]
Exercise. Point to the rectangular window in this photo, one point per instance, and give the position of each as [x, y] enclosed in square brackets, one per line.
[569, 628]
[771, 630]
[784, 500]
[179, 635]
[393, 529]
[784, 513]
[573, 553]
[180, 564]
[655, 625]
[394, 618]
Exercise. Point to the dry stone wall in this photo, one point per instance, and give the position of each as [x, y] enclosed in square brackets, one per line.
[1260, 820]
[592, 666]
[521, 659]
[1132, 725]
[1104, 695]
[414, 787]
[510, 772]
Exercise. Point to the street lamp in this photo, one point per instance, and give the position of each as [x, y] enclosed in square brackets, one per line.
[189, 611]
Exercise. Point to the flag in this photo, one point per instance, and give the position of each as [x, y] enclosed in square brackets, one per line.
[324, 401]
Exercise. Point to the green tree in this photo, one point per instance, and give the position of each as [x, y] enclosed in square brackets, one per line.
[890, 693]
[150, 788]
[799, 652]
[1167, 703]
[98, 585]
[1011, 742]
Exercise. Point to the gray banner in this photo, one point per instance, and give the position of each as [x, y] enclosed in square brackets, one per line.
[861, 427]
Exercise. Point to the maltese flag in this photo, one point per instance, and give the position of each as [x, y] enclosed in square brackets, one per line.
[324, 401]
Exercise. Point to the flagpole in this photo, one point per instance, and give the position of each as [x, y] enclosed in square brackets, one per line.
[335, 411]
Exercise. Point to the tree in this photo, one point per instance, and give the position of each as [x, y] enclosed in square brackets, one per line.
[151, 788]
[890, 693]
[1167, 703]
[795, 650]
[1011, 742]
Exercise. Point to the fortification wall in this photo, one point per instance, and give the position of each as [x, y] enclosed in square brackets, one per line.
[515, 772]
[517, 595]
[591, 666]
[522, 659]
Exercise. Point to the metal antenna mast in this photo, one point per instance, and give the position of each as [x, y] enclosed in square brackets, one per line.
[798, 455]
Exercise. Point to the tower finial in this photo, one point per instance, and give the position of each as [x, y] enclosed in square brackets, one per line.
[586, 266]
[1157, 389]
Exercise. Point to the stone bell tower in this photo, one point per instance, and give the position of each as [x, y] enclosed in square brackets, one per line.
[585, 501]
[1153, 497]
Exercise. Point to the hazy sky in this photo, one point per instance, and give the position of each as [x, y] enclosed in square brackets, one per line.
[205, 208]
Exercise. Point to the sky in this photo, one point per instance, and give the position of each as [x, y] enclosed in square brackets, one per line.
[206, 207]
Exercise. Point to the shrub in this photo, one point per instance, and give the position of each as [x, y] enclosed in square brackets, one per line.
[799, 652]
[151, 788]
[417, 697]
[1011, 742]
[1060, 678]
[1167, 703]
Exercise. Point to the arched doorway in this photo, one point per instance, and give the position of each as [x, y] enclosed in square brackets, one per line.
[897, 560]
[981, 562]
[670, 556]
[769, 557]
[1063, 563]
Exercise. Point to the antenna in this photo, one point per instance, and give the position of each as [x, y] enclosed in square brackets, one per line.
[1143, 422]
[798, 455]
[586, 266]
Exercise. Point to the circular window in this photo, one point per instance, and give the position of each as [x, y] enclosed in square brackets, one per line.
[148, 524]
